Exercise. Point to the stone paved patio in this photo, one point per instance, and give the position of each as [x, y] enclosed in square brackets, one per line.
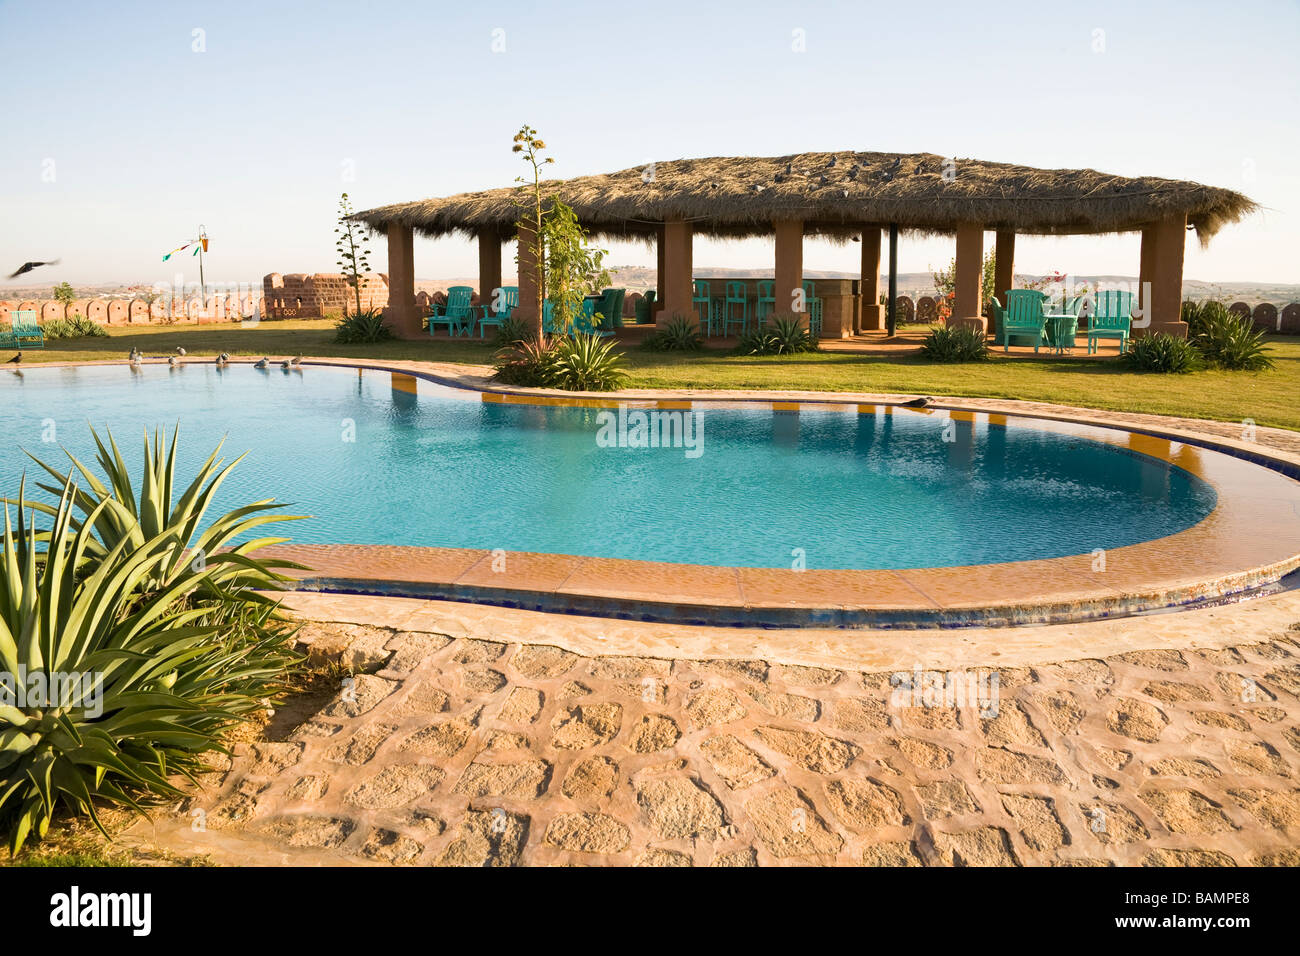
[468, 738]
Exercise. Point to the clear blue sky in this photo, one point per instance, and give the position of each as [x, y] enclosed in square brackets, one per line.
[145, 137]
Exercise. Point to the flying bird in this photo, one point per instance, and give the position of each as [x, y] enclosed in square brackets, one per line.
[223, 358]
[180, 351]
[171, 360]
[917, 403]
[29, 266]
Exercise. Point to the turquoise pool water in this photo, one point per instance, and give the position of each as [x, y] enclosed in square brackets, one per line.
[375, 464]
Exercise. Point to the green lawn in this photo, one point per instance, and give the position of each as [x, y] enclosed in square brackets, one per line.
[1269, 398]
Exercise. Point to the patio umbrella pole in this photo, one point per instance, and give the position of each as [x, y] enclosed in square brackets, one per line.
[893, 279]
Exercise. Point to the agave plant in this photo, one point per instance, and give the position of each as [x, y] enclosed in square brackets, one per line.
[1162, 353]
[679, 335]
[955, 344]
[587, 363]
[529, 363]
[362, 328]
[113, 688]
[153, 653]
[163, 518]
[1229, 341]
[785, 336]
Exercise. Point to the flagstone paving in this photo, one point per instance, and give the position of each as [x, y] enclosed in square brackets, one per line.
[498, 749]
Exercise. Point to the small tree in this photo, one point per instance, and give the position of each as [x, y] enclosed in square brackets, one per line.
[64, 293]
[353, 252]
[566, 267]
[530, 144]
[945, 280]
[573, 268]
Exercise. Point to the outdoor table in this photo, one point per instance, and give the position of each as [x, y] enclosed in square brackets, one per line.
[1058, 328]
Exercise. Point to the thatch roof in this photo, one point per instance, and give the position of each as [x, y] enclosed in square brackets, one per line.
[835, 194]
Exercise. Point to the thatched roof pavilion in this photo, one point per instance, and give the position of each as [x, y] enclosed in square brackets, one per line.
[843, 195]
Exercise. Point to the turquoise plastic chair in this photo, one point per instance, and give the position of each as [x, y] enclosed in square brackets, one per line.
[457, 314]
[23, 332]
[703, 304]
[1024, 317]
[509, 302]
[611, 307]
[1110, 317]
[814, 307]
[737, 295]
[766, 303]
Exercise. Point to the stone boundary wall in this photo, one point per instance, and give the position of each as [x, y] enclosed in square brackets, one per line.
[302, 295]
[162, 311]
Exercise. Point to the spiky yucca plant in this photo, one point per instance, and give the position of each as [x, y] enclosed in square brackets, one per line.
[168, 517]
[148, 655]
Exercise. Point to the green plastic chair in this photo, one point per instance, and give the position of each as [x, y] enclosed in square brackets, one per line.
[1110, 317]
[1023, 317]
[509, 302]
[737, 295]
[702, 302]
[611, 307]
[814, 307]
[457, 314]
[23, 332]
[766, 303]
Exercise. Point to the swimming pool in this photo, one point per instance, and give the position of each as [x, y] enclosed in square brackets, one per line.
[374, 459]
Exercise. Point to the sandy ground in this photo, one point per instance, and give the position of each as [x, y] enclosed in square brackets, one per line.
[475, 736]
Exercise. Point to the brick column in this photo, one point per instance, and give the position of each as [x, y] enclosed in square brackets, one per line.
[659, 275]
[789, 268]
[402, 314]
[1004, 255]
[871, 313]
[676, 278]
[489, 264]
[1161, 273]
[970, 271]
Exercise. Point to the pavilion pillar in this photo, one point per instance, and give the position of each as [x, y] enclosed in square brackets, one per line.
[489, 264]
[676, 274]
[788, 286]
[659, 274]
[1004, 255]
[403, 316]
[1004, 268]
[966, 306]
[1160, 278]
[528, 309]
[872, 313]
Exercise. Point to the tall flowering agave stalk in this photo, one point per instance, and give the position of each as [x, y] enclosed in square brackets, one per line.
[135, 657]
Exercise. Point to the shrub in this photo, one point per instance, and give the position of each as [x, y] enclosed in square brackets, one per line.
[1229, 341]
[1162, 353]
[679, 335]
[955, 344]
[75, 327]
[528, 363]
[512, 332]
[170, 645]
[785, 336]
[587, 363]
[362, 328]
